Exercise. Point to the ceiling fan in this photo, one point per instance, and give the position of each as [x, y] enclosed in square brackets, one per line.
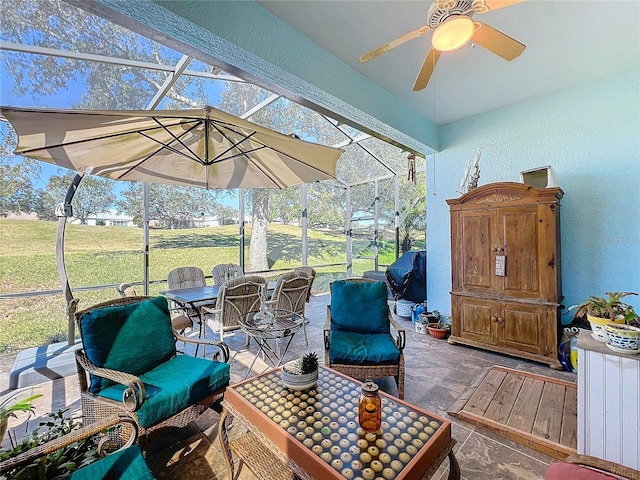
[451, 22]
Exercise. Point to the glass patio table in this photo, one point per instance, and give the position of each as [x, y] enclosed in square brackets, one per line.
[274, 325]
[192, 299]
[317, 435]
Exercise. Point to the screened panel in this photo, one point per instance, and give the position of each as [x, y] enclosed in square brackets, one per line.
[356, 165]
[284, 232]
[326, 240]
[61, 25]
[386, 223]
[188, 227]
[288, 117]
[134, 93]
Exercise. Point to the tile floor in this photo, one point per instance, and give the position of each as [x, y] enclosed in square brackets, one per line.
[437, 373]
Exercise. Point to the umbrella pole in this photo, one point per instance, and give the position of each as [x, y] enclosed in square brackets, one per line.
[63, 211]
[145, 237]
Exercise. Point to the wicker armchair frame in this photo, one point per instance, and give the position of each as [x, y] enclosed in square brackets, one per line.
[291, 293]
[95, 408]
[125, 435]
[236, 297]
[364, 372]
[309, 272]
[223, 270]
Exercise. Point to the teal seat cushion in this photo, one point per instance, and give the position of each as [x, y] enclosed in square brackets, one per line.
[130, 338]
[127, 464]
[173, 386]
[359, 307]
[361, 348]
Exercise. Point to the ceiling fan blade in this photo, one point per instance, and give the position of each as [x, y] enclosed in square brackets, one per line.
[496, 4]
[418, 32]
[427, 69]
[497, 42]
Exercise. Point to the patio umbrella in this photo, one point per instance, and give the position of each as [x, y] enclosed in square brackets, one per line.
[204, 147]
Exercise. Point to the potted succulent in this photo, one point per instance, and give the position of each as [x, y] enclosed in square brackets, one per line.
[441, 327]
[421, 323]
[13, 403]
[602, 311]
[302, 373]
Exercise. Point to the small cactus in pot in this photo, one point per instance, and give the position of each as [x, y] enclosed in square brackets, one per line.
[302, 373]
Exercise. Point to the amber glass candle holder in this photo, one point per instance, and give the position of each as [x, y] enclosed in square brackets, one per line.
[370, 407]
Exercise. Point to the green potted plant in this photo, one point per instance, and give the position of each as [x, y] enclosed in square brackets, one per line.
[601, 311]
[441, 327]
[13, 403]
[421, 323]
[302, 373]
[55, 465]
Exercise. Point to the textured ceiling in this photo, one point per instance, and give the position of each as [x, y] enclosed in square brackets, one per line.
[569, 42]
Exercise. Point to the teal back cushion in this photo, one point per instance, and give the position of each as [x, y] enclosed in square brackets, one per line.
[130, 338]
[359, 307]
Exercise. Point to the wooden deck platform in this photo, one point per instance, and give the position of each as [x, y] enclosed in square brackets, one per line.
[533, 410]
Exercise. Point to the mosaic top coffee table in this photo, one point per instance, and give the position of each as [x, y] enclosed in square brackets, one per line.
[316, 434]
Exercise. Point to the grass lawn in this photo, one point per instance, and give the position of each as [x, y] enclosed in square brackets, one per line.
[113, 255]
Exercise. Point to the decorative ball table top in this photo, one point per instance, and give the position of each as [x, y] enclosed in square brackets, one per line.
[319, 428]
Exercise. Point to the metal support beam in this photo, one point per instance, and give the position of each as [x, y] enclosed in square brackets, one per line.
[305, 225]
[241, 260]
[375, 223]
[348, 232]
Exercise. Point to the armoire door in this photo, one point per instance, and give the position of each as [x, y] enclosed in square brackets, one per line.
[523, 327]
[520, 239]
[476, 320]
[476, 237]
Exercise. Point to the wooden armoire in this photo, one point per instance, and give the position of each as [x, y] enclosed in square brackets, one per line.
[505, 265]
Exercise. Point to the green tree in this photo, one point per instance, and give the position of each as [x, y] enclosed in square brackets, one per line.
[285, 205]
[226, 215]
[56, 24]
[94, 195]
[172, 205]
[17, 192]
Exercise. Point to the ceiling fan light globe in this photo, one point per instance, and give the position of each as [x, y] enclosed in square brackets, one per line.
[455, 32]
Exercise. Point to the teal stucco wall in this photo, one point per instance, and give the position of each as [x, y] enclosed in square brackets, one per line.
[590, 135]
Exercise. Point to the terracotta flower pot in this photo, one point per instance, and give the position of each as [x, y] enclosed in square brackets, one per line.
[436, 332]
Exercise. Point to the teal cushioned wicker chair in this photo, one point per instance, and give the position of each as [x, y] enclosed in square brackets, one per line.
[359, 340]
[129, 364]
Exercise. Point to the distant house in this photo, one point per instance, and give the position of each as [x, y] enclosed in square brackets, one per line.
[109, 219]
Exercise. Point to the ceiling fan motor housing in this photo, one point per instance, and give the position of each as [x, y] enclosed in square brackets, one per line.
[442, 9]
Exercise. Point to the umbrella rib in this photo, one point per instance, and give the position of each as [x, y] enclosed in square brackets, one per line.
[93, 139]
[178, 139]
[233, 144]
[168, 146]
[243, 153]
[229, 126]
[162, 146]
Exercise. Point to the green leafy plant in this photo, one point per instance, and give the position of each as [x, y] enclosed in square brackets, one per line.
[308, 363]
[611, 307]
[60, 463]
[13, 403]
